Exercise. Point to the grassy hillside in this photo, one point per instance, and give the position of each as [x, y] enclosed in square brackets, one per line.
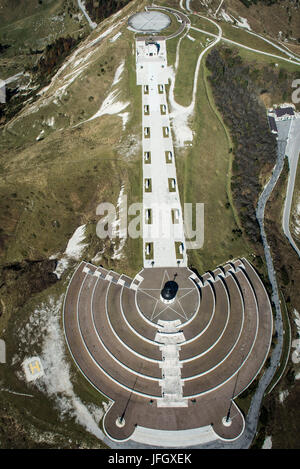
[28, 27]
[295, 210]
[279, 19]
[56, 172]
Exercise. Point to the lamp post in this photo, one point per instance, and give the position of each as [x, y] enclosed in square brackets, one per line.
[122, 418]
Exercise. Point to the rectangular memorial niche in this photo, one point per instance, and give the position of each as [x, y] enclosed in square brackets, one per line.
[169, 157]
[172, 184]
[175, 216]
[147, 157]
[148, 185]
[179, 248]
[166, 132]
[149, 251]
[163, 109]
[148, 216]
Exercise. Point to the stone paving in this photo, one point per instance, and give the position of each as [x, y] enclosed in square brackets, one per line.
[184, 373]
[163, 229]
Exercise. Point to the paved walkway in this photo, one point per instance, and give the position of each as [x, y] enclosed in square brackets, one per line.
[183, 375]
[163, 231]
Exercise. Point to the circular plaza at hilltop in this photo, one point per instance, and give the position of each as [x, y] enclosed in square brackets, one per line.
[149, 21]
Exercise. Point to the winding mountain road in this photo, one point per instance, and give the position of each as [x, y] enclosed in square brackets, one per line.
[292, 152]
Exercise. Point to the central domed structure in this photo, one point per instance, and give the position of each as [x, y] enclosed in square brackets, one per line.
[169, 291]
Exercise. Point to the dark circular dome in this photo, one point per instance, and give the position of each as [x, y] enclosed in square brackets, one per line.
[170, 290]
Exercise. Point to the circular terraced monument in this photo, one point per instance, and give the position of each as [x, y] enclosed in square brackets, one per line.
[171, 371]
[149, 21]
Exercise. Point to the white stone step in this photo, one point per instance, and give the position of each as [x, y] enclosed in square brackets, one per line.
[172, 400]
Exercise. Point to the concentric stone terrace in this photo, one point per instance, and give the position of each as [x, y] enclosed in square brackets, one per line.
[169, 367]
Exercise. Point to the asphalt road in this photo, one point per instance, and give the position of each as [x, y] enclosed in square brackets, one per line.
[292, 152]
